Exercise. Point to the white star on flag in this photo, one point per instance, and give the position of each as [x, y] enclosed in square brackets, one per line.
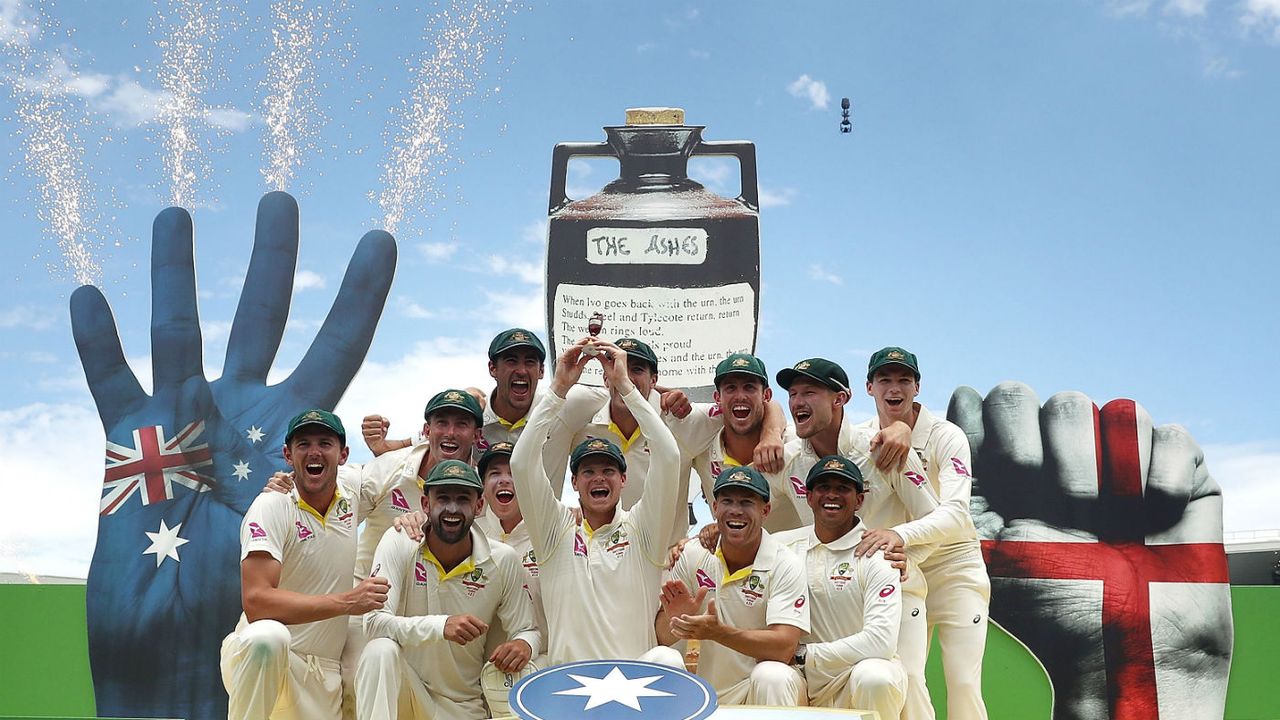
[614, 687]
[165, 543]
[241, 470]
[254, 434]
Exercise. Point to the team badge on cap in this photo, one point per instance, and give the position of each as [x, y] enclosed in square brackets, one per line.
[802, 365]
[611, 690]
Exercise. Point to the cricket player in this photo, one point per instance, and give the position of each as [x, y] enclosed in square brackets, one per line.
[297, 549]
[849, 658]
[391, 484]
[959, 588]
[818, 390]
[751, 624]
[600, 578]
[743, 422]
[426, 650]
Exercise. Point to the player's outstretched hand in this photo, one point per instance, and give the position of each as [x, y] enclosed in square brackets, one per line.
[1103, 539]
[184, 462]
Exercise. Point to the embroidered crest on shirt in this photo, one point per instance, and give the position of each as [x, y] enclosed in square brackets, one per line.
[618, 543]
[344, 511]
[752, 590]
[474, 581]
[841, 575]
[530, 563]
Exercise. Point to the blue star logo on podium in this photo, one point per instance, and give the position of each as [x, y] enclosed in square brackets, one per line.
[612, 690]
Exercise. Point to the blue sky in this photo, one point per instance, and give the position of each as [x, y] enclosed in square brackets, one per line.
[1080, 196]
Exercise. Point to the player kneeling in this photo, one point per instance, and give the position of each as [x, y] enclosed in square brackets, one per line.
[849, 656]
[425, 657]
[752, 625]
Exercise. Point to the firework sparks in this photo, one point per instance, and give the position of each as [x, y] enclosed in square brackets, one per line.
[460, 39]
[53, 153]
[289, 107]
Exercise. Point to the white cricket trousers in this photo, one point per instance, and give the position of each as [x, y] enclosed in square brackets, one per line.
[265, 679]
[913, 646]
[871, 684]
[771, 683]
[958, 603]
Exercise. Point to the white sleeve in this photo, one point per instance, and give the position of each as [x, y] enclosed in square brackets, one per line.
[913, 488]
[580, 404]
[788, 602]
[950, 521]
[393, 560]
[882, 614]
[653, 511]
[544, 515]
[516, 608]
[265, 526]
[696, 431]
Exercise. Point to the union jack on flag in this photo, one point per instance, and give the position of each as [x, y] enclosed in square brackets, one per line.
[154, 464]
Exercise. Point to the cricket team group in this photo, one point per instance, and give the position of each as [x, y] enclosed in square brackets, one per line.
[837, 548]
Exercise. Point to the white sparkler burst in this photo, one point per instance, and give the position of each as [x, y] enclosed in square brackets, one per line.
[300, 40]
[53, 153]
[460, 40]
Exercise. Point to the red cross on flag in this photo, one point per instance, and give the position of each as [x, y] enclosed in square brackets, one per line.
[153, 464]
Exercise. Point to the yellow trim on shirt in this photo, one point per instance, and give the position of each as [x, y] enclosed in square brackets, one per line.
[730, 462]
[305, 507]
[626, 441]
[462, 568]
[587, 526]
[511, 426]
[742, 574]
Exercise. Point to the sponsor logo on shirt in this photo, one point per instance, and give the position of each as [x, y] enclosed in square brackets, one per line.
[579, 545]
[482, 444]
[841, 575]
[887, 590]
[752, 590]
[716, 467]
[799, 602]
[397, 500]
[715, 410]
[304, 532]
[797, 485]
[916, 478]
[530, 563]
[420, 573]
[256, 531]
[474, 582]
[704, 580]
[961, 470]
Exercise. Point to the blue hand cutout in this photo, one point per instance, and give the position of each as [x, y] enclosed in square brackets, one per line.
[164, 583]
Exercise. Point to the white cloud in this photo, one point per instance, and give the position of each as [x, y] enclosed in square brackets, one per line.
[526, 310]
[817, 272]
[1220, 67]
[1186, 8]
[1125, 8]
[17, 23]
[411, 309]
[229, 119]
[437, 252]
[308, 280]
[28, 317]
[526, 271]
[61, 543]
[776, 198]
[713, 172]
[1249, 474]
[815, 91]
[1262, 16]
[535, 232]
[129, 104]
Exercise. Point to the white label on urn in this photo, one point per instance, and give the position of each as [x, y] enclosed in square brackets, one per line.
[646, 246]
[689, 329]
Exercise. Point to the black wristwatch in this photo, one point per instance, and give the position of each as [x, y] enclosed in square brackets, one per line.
[798, 659]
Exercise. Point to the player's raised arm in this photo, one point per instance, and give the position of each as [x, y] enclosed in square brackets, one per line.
[950, 521]
[654, 509]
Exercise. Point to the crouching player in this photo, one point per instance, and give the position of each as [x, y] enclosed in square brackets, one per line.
[849, 656]
[751, 626]
[297, 549]
[426, 652]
